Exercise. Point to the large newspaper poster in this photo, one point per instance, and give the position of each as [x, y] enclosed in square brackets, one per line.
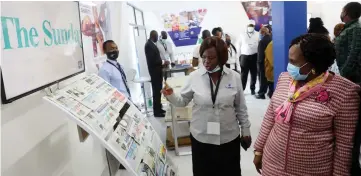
[117, 123]
[95, 28]
[184, 27]
[259, 11]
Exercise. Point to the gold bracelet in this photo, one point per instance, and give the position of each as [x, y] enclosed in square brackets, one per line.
[258, 153]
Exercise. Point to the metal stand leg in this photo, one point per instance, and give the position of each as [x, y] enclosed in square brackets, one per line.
[145, 100]
[175, 135]
[174, 123]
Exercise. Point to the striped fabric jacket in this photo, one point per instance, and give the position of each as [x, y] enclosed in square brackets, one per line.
[319, 139]
[348, 51]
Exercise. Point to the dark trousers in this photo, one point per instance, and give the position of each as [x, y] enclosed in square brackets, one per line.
[271, 88]
[157, 80]
[216, 160]
[263, 83]
[249, 64]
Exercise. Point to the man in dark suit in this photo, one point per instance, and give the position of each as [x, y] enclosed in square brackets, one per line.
[266, 38]
[155, 65]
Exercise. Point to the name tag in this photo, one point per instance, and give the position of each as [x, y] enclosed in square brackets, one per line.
[213, 128]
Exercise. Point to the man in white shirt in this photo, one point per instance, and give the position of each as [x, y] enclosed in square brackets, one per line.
[233, 61]
[248, 59]
[165, 48]
[166, 52]
[197, 59]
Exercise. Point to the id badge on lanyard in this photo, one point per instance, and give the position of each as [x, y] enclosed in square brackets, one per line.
[214, 128]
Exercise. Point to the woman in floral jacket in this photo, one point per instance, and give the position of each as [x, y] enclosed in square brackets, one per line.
[310, 123]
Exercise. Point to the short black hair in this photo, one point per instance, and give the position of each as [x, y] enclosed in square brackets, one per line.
[215, 30]
[353, 10]
[317, 49]
[105, 44]
[206, 34]
[153, 32]
[316, 26]
[269, 27]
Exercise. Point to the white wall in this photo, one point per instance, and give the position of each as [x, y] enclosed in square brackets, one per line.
[38, 140]
[329, 12]
[229, 15]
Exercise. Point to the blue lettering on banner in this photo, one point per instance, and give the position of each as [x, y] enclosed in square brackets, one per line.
[29, 37]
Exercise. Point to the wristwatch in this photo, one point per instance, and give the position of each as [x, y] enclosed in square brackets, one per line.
[258, 153]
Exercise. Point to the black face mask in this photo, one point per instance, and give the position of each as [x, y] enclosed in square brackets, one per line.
[342, 17]
[228, 42]
[113, 55]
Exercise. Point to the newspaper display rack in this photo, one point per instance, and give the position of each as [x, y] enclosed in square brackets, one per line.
[108, 116]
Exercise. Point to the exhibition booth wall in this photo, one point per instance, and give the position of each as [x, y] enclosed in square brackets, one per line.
[230, 15]
[38, 140]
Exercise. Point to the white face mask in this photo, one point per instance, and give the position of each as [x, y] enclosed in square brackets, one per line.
[264, 11]
[215, 69]
[250, 29]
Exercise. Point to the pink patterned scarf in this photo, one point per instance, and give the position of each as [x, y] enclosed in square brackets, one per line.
[285, 110]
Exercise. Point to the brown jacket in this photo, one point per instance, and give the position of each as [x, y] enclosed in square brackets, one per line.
[268, 62]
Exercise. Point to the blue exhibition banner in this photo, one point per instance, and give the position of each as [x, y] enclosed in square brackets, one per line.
[186, 37]
[184, 27]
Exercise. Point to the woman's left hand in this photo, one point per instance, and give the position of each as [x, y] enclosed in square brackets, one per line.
[246, 141]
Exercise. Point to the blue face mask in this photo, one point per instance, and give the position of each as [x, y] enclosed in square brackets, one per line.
[294, 71]
[260, 36]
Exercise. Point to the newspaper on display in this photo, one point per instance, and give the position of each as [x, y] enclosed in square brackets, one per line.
[107, 114]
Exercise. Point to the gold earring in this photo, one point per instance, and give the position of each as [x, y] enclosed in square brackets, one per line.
[313, 71]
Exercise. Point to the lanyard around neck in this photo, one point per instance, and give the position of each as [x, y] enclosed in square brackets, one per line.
[250, 36]
[214, 94]
[230, 50]
[164, 45]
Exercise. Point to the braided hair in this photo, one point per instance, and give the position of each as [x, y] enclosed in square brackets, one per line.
[317, 49]
[317, 26]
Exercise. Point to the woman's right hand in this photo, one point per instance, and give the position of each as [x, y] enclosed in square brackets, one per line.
[257, 161]
[166, 90]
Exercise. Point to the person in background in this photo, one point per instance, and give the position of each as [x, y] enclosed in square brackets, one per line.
[268, 64]
[266, 38]
[111, 71]
[155, 65]
[348, 43]
[219, 108]
[166, 51]
[233, 61]
[197, 60]
[316, 26]
[311, 119]
[348, 57]
[248, 58]
[337, 30]
[218, 32]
